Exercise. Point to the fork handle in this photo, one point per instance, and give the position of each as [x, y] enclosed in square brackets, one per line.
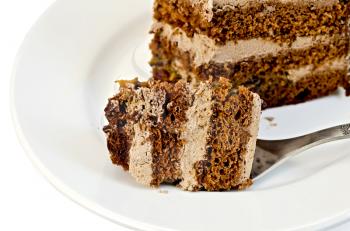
[302, 143]
[282, 150]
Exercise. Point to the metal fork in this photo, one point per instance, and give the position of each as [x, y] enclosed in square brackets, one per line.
[271, 154]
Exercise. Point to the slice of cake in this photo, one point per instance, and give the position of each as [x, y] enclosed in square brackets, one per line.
[200, 137]
[287, 51]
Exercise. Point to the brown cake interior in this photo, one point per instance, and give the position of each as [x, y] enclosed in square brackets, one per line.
[118, 133]
[165, 135]
[227, 140]
[266, 75]
[147, 133]
[164, 129]
[265, 19]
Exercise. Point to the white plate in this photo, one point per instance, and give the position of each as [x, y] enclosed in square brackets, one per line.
[63, 76]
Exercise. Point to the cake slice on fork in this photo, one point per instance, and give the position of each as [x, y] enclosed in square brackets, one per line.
[200, 137]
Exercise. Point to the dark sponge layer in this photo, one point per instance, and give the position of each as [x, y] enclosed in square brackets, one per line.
[272, 19]
[227, 140]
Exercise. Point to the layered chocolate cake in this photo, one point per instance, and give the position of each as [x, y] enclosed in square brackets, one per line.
[287, 51]
[197, 136]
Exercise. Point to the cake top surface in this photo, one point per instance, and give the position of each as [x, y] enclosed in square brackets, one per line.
[208, 5]
[211, 3]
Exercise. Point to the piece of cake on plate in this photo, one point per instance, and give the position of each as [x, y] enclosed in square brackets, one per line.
[287, 51]
[200, 137]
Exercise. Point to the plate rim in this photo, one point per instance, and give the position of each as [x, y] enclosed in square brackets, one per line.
[75, 196]
[57, 184]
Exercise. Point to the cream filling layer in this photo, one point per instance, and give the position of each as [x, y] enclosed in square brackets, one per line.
[195, 134]
[204, 49]
[298, 73]
[146, 103]
[140, 156]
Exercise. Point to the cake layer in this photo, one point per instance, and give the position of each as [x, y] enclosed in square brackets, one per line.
[204, 50]
[278, 20]
[199, 136]
[278, 90]
[120, 128]
[196, 134]
[166, 132]
[273, 75]
[231, 141]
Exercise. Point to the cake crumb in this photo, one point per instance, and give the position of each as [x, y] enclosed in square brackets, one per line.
[271, 120]
[163, 191]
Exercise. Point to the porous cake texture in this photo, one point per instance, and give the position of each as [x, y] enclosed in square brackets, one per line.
[197, 136]
[287, 51]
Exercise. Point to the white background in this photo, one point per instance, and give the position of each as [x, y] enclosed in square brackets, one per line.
[27, 200]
